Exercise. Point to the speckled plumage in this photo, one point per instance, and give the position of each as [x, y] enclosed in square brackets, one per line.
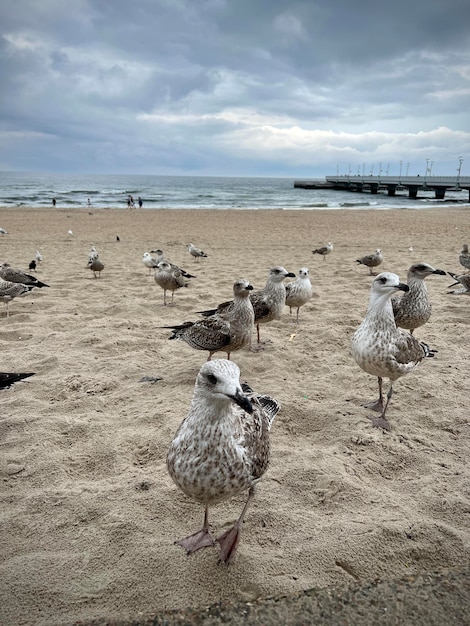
[221, 449]
[372, 260]
[464, 257]
[299, 292]
[462, 279]
[413, 309]
[8, 273]
[379, 347]
[10, 290]
[226, 333]
[324, 250]
[96, 266]
[169, 279]
[160, 256]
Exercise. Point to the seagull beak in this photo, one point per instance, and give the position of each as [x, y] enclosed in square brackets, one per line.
[402, 287]
[290, 275]
[249, 287]
[441, 272]
[242, 401]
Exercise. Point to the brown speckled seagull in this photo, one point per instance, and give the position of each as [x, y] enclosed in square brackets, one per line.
[464, 257]
[226, 333]
[18, 276]
[463, 280]
[380, 348]
[372, 260]
[221, 449]
[9, 291]
[169, 278]
[413, 309]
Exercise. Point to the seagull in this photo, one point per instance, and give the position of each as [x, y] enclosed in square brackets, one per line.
[299, 292]
[464, 280]
[70, 232]
[222, 333]
[18, 276]
[149, 261]
[196, 252]
[464, 257]
[8, 378]
[93, 254]
[324, 250]
[3, 231]
[38, 256]
[10, 290]
[96, 266]
[169, 279]
[413, 309]
[371, 260]
[221, 449]
[161, 257]
[380, 348]
[268, 303]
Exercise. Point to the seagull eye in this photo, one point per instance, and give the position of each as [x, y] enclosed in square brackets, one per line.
[212, 379]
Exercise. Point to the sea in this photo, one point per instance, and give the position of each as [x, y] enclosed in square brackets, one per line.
[22, 189]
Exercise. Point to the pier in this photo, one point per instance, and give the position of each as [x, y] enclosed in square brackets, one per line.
[372, 184]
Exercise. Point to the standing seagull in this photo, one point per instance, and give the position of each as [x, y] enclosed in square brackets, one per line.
[18, 276]
[371, 260]
[161, 257]
[228, 333]
[299, 292]
[196, 253]
[464, 280]
[464, 257]
[324, 250]
[169, 279]
[221, 449]
[413, 309]
[10, 290]
[380, 348]
[95, 265]
[149, 261]
[268, 303]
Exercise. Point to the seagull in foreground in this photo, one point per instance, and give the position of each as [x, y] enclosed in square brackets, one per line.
[221, 449]
[161, 257]
[464, 257]
[18, 276]
[413, 309]
[268, 303]
[169, 279]
[464, 280]
[227, 334]
[8, 378]
[299, 292]
[371, 260]
[380, 348]
[10, 290]
[196, 253]
[324, 250]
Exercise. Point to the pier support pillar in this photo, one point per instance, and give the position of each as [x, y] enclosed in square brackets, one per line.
[413, 192]
[439, 193]
[391, 190]
[374, 188]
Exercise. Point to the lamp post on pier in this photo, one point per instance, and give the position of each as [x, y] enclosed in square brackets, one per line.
[458, 171]
[401, 165]
[407, 168]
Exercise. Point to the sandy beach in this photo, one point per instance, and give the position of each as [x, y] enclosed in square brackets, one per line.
[89, 514]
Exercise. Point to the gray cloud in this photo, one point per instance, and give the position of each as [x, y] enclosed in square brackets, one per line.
[264, 87]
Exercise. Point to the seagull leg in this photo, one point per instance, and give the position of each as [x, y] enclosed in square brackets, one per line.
[377, 405]
[260, 344]
[201, 539]
[382, 422]
[231, 538]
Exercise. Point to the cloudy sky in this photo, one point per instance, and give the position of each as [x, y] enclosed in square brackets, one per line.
[235, 87]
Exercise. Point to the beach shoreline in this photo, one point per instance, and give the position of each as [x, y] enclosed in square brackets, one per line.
[89, 512]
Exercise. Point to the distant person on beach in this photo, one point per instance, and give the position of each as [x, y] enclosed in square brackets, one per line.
[53, 202]
[130, 202]
[89, 202]
[140, 201]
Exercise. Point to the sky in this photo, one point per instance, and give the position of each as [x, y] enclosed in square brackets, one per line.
[275, 88]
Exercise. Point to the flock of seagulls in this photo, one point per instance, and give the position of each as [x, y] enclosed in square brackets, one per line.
[221, 449]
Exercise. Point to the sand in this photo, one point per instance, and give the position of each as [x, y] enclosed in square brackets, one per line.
[89, 513]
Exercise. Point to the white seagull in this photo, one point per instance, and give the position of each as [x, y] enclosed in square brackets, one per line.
[380, 348]
[221, 449]
[299, 292]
